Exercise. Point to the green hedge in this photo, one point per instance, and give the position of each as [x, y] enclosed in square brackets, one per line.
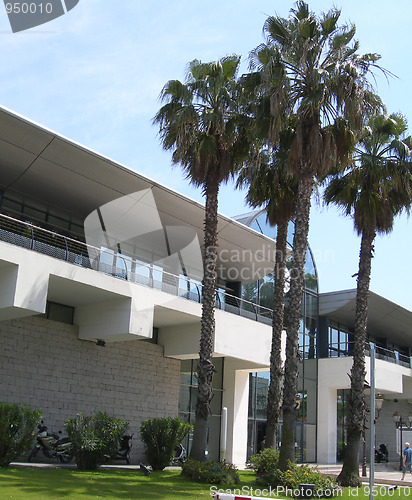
[160, 437]
[93, 437]
[17, 426]
[211, 472]
[264, 462]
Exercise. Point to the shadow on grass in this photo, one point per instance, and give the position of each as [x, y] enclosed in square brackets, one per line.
[37, 483]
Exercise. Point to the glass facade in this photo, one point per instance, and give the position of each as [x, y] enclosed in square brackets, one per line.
[261, 292]
[342, 403]
[15, 205]
[187, 404]
[339, 341]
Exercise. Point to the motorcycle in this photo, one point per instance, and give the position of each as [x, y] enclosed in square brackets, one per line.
[52, 445]
[179, 455]
[381, 455]
[123, 453]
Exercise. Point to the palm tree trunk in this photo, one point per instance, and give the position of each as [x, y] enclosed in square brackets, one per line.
[290, 381]
[205, 368]
[275, 386]
[349, 475]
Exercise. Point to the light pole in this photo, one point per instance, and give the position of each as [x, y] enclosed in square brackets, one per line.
[378, 408]
[400, 423]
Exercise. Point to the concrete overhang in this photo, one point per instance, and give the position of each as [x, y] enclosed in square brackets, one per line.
[42, 165]
[385, 318]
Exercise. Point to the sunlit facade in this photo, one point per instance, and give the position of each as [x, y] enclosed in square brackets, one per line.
[261, 292]
[108, 318]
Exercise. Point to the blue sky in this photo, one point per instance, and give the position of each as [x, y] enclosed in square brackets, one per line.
[94, 75]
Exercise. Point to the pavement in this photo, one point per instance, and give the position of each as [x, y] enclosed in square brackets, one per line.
[386, 474]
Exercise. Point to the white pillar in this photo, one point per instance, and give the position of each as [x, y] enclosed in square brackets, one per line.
[223, 434]
[327, 425]
[236, 400]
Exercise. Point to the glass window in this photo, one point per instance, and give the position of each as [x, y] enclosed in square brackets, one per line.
[266, 292]
[218, 376]
[311, 279]
[188, 400]
[250, 292]
[59, 312]
[186, 372]
[334, 337]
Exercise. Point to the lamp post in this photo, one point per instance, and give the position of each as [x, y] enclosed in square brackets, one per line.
[400, 423]
[378, 408]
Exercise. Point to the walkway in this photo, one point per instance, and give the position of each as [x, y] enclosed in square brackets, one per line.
[384, 474]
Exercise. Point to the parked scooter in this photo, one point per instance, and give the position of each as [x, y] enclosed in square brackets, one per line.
[381, 455]
[52, 445]
[180, 455]
[123, 453]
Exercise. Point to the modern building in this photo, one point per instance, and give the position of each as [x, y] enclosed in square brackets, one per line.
[100, 305]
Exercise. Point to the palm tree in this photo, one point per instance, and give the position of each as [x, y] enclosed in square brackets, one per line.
[202, 125]
[323, 80]
[271, 185]
[376, 188]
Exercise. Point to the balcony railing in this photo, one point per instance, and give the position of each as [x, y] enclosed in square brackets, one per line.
[26, 235]
[390, 355]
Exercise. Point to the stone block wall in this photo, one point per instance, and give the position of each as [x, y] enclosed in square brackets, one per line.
[44, 365]
[385, 429]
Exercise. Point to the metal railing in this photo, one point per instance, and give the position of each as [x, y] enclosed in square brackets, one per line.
[390, 355]
[27, 235]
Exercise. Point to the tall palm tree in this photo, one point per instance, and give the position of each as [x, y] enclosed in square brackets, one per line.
[376, 188]
[202, 125]
[271, 185]
[323, 79]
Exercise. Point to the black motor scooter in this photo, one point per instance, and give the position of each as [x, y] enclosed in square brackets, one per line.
[123, 453]
[381, 455]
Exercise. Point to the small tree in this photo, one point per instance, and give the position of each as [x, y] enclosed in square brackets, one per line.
[160, 437]
[94, 437]
[17, 424]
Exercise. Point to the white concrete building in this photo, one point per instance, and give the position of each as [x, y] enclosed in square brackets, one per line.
[93, 254]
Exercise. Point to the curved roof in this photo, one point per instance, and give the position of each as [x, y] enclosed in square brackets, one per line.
[42, 165]
[385, 318]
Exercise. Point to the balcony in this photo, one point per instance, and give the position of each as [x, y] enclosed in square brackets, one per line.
[390, 355]
[37, 239]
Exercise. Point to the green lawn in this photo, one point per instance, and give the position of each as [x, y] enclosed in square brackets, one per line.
[27, 483]
[30, 483]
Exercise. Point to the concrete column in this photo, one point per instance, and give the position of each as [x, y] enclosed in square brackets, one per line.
[236, 399]
[327, 426]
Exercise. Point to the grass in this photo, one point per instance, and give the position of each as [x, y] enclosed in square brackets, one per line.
[32, 483]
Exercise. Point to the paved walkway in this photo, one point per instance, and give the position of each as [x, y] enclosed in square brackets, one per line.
[384, 474]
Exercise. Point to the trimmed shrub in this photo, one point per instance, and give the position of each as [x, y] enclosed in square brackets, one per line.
[324, 486]
[160, 437]
[17, 426]
[211, 472]
[264, 462]
[93, 437]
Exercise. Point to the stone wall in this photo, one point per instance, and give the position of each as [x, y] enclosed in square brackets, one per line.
[385, 429]
[44, 365]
